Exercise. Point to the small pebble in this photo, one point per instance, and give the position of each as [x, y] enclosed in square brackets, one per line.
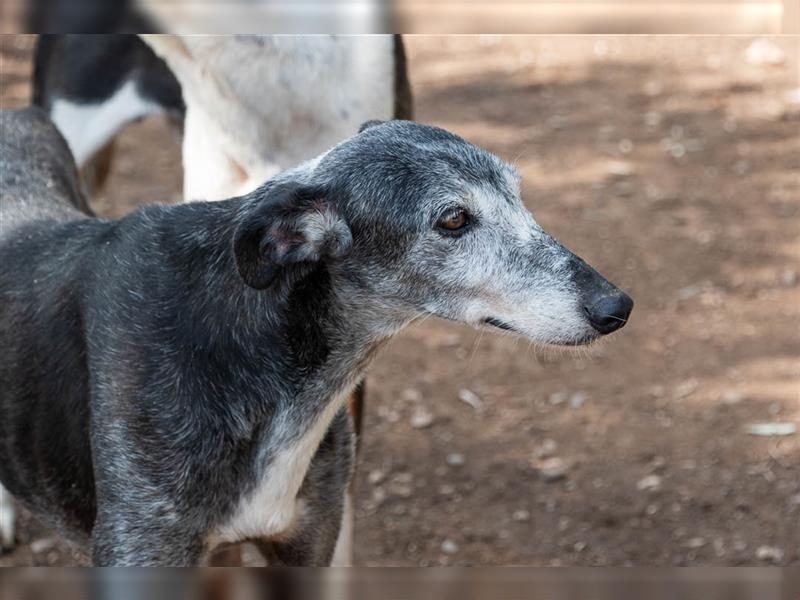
[546, 449]
[553, 469]
[376, 476]
[677, 150]
[401, 490]
[421, 418]
[455, 459]
[689, 292]
[731, 397]
[771, 554]
[401, 485]
[447, 489]
[653, 119]
[650, 483]
[449, 547]
[620, 168]
[625, 146]
[389, 415]
[771, 429]
[471, 398]
[521, 515]
[411, 395]
[685, 388]
[577, 399]
[42, 545]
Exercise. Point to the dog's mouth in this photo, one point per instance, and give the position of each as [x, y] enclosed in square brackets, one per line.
[500, 324]
[581, 341]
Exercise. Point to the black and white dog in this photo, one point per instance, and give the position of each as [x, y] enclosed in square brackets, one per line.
[92, 86]
[254, 105]
[175, 380]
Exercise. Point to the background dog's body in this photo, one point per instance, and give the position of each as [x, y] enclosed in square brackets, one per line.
[94, 85]
[255, 105]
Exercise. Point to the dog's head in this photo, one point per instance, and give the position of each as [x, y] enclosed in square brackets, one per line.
[427, 223]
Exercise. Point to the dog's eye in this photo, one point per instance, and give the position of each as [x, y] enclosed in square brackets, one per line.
[453, 220]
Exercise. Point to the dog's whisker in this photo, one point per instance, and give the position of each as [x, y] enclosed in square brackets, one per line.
[475, 347]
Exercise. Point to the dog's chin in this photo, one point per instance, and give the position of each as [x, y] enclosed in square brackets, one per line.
[582, 340]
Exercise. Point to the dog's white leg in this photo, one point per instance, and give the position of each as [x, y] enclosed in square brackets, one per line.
[208, 174]
[343, 554]
[7, 534]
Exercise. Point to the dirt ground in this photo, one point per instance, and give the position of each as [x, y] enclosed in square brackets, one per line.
[673, 166]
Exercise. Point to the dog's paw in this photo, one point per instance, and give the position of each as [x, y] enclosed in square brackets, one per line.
[7, 515]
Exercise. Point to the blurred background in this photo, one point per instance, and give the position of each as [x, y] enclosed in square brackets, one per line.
[434, 16]
[672, 164]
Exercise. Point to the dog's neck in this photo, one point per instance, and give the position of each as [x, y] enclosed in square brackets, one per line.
[328, 323]
[342, 327]
[327, 326]
[332, 329]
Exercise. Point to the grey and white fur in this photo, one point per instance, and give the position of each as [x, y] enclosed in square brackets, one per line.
[175, 380]
[254, 105]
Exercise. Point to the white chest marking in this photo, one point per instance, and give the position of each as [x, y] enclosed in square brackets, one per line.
[273, 507]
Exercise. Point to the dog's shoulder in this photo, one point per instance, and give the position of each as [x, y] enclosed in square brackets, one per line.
[38, 177]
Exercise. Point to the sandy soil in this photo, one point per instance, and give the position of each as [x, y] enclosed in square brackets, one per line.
[673, 166]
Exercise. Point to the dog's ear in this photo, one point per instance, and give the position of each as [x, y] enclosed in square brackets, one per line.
[289, 229]
[367, 124]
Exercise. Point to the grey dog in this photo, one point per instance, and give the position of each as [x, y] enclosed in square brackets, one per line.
[175, 380]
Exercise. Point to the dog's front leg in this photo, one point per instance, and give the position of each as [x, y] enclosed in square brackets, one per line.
[313, 539]
[125, 537]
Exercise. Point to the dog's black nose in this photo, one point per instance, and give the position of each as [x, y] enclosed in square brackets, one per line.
[609, 312]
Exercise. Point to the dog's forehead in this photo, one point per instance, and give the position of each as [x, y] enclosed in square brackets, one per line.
[434, 156]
